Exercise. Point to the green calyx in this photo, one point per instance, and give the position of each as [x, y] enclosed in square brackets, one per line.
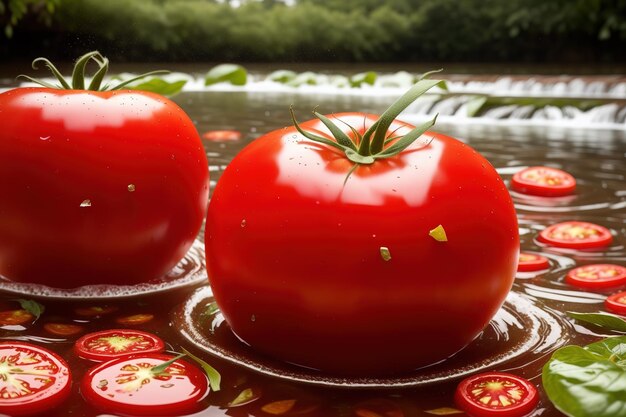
[78, 74]
[375, 143]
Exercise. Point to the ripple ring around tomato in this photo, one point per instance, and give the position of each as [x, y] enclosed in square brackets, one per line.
[344, 269]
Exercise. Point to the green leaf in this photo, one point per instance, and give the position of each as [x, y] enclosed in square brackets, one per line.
[406, 140]
[337, 133]
[475, 104]
[305, 78]
[214, 377]
[282, 76]
[160, 86]
[32, 306]
[227, 73]
[358, 80]
[604, 320]
[162, 368]
[245, 397]
[588, 381]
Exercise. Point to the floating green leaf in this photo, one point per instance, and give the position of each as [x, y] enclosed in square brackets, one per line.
[588, 381]
[305, 78]
[32, 306]
[475, 104]
[227, 73]
[160, 86]
[245, 397]
[214, 377]
[357, 80]
[604, 320]
[282, 76]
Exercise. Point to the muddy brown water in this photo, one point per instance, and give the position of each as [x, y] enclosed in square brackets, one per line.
[531, 325]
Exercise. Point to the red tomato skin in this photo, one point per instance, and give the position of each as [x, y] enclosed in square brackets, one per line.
[294, 257]
[44, 401]
[183, 397]
[616, 303]
[133, 161]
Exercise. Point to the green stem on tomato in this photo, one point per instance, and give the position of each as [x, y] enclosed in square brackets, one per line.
[78, 74]
[375, 143]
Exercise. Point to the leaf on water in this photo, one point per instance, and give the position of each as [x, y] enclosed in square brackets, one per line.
[358, 80]
[245, 397]
[282, 76]
[32, 306]
[214, 377]
[227, 73]
[160, 86]
[604, 320]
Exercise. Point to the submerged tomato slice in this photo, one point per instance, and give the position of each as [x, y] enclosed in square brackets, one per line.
[532, 262]
[110, 344]
[95, 311]
[129, 386]
[543, 181]
[135, 319]
[616, 303]
[496, 394]
[63, 329]
[597, 276]
[32, 379]
[15, 317]
[222, 135]
[576, 235]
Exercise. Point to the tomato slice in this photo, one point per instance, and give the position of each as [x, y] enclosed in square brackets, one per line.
[597, 276]
[222, 135]
[134, 320]
[576, 235]
[532, 262]
[616, 303]
[32, 379]
[128, 385]
[110, 344]
[496, 394]
[63, 329]
[543, 181]
[15, 317]
[95, 311]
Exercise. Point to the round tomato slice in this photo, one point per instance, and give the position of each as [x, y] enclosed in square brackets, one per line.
[32, 379]
[496, 394]
[130, 385]
[110, 344]
[222, 135]
[616, 303]
[576, 235]
[95, 311]
[63, 329]
[15, 317]
[532, 262]
[597, 276]
[543, 181]
[135, 319]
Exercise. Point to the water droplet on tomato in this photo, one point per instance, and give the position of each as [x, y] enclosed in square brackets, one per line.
[131, 188]
[253, 318]
[86, 203]
[44, 137]
[243, 223]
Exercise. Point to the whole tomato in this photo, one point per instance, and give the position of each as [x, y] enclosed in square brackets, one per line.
[98, 187]
[360, 263]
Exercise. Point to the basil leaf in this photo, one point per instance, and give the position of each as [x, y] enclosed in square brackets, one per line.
[230, 73]
[160, 86]
[214, 377]
[588, 381]
[607, 321]
[358, 80]
[32, 306]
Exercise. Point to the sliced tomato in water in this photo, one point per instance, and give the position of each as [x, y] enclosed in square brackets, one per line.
[543, 181]
[616, 303]
[63, 329]
[576, 235]
[496, 394]
[111, 344]
[532, 262]
[32, 379]
[597, 276]
[15, 317]
[135, 319]
[131, 386]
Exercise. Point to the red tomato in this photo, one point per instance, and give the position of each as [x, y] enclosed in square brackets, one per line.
[496, 394]
[14, 317]
[110, 344]
[616, 303]
[576, 235]
[128, 386]
[134, 320]
[532, 262]
[32, 379]
[107, 187]
[543, 181]
[597, 276]
[222, 135]
[335, 274]
[63, 329]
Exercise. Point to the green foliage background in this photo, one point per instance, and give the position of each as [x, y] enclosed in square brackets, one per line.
[323, 30]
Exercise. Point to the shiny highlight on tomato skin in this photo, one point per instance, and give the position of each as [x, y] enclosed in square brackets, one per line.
[293, 250]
